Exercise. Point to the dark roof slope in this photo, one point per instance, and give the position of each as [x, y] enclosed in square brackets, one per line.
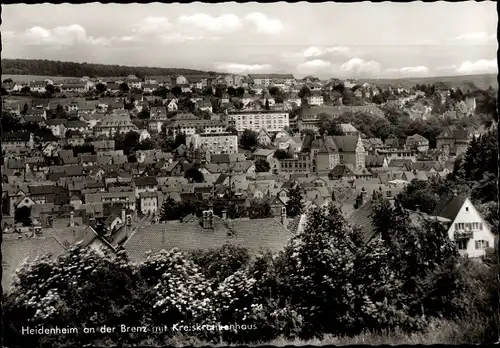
[362, 218]
[449, 206]
[145, 181]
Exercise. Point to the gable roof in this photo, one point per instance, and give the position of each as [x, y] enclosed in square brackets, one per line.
[341, 170]
[452, 132]
[449, 206]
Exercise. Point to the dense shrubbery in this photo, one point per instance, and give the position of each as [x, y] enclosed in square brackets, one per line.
[325, 282]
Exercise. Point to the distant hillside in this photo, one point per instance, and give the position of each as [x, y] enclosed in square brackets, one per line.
[57, 68]
[467, 82]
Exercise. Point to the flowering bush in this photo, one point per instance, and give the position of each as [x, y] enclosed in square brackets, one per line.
[78, 289]
[182, 294]
[219, 263]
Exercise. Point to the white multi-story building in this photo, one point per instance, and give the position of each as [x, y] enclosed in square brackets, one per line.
[113, 124]
[315, 99]
[272, 121]
[224, 143]
[268, 79]
[189, 127]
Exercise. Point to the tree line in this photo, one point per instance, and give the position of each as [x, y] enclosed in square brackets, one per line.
[72, 69]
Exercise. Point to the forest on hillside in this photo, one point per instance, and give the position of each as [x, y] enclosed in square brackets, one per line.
[58, 68]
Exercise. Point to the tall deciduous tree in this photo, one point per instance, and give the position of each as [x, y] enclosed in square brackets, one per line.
[23, 215]
[194, 175]
[260, 210]
[248, 139]
[261, 165]
[180, 139]
[319, 267]
[124, 88]
[418, 195]
[295, 203]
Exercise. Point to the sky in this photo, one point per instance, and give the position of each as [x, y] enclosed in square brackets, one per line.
[369, 40]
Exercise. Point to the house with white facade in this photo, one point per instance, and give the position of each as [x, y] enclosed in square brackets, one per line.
[172, 105]
[467, 228]
[315, 99]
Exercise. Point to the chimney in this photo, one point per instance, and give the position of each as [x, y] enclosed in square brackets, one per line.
[284, 220]
[123, 216]
[72, 219]
[206, 222]
[363, 196]
[210, 219]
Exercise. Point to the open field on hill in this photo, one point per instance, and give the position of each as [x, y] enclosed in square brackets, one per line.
[464, 82]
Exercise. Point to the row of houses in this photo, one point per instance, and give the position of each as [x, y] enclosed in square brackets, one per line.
[140, 235]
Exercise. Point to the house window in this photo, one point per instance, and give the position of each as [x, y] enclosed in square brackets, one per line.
[481, 226]
[466, 208]
[482, 244]
[461, 244]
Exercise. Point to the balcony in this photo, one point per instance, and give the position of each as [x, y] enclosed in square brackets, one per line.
[463, 234]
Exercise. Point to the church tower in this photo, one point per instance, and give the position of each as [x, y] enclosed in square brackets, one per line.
[360, 154]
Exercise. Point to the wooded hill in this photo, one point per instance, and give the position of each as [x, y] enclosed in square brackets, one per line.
[58, 68]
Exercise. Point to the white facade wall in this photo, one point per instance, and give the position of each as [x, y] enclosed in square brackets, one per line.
[216, 144]
[272, 122]
[469, 218]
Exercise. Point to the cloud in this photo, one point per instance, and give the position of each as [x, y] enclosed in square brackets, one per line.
[478, 67]
[321, 51]
[206, 22]
[314, 66]
[412, 70]
[73, 34]
[127, 38]
[476, 37]
[153, 25]
[237, 68]
[264, 24]
[178, 38]
[359, 67]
